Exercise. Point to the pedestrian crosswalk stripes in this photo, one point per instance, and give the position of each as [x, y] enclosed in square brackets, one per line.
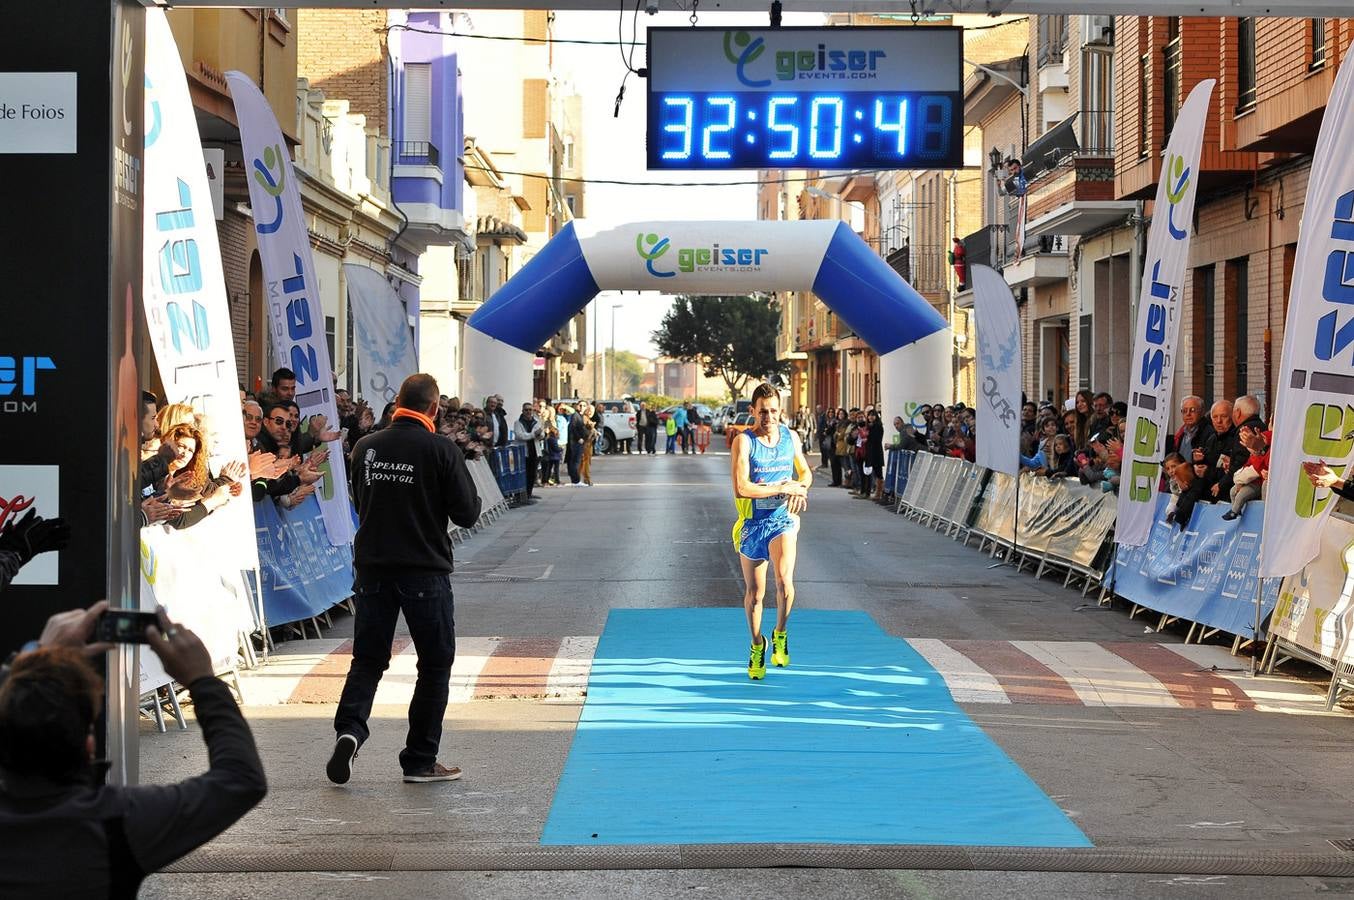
[1080, 673]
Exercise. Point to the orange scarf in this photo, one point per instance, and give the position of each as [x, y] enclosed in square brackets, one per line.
[419, 417]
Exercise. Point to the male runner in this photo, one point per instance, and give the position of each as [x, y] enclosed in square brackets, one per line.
[771, 481]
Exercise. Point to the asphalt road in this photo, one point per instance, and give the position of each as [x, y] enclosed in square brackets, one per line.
[1203, 786]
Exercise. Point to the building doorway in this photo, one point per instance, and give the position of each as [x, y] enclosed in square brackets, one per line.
[1054, 366]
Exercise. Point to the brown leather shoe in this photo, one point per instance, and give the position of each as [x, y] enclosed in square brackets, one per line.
[435, 772]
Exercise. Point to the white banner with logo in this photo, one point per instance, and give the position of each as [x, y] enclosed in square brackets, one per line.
[385, 342]
[997, 323]
[714, 257]
[1314, 409]
[1316, 604]
[294, 312]
[199, 589]
[183, 287]
[1157, 332]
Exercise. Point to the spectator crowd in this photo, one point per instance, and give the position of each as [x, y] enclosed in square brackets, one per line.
[1219, 454]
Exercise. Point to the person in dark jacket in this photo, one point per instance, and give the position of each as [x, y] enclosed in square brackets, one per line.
[1191, 490]
[1322, 476]
[528, 432]
[1223, 451]
[63, 832]
[874, 457]
[407, 482]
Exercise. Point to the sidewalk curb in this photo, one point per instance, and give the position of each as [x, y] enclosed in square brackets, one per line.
[420, 856]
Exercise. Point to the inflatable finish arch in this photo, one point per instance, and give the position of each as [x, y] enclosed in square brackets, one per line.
[912, 339]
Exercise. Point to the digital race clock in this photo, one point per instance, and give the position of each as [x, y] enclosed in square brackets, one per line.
[815, 98]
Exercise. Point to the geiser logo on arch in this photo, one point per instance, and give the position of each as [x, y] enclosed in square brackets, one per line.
[712, 258]
[818, 63]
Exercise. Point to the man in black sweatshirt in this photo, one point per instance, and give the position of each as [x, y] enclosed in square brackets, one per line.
[407, 482]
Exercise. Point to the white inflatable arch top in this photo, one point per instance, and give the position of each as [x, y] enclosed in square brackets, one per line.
[824, 256]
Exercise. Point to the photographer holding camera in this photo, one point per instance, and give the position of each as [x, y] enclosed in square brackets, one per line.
[63, 832]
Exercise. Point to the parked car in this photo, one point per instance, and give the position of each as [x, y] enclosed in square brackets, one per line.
[721, 418]
[617, 425]
[742, 422]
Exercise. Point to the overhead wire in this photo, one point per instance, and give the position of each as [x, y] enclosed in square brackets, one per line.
[685, 184]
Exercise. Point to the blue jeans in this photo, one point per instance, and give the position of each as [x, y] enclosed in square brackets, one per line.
[428, 609]
[672, 443]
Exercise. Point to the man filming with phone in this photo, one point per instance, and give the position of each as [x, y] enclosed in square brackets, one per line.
[63, 832]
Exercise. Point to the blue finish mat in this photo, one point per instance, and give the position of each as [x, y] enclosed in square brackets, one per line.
[858, 741]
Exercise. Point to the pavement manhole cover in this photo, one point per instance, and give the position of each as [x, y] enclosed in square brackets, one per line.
[1346, 845]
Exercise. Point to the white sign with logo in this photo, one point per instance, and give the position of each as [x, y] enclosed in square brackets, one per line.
[1316, 604]
[294, 311]
[25, 489]
[715, 257]
[183, 288]
[1314, 415]
[1152, 365]
[37, 112]
[998, 328]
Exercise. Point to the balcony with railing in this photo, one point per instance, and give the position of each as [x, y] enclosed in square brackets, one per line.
[1039, 260]
[418, 153]
[1070, 171]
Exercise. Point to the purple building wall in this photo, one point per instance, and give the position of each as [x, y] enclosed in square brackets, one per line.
[448, 116]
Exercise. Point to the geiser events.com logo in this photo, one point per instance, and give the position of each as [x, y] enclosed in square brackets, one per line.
[651, 248]
[19, 382]
[818, 64]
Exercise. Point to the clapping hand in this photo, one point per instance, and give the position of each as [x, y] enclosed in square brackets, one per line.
[157, 510]
[1320, 474]
[234, 470]
[265, 465]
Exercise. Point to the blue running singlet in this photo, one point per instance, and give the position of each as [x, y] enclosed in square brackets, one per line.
[763, 519]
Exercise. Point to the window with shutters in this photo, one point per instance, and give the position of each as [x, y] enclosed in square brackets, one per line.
[1245, 62]
[418, 105]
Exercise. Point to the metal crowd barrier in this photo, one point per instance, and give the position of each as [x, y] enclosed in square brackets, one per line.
[1063, 526]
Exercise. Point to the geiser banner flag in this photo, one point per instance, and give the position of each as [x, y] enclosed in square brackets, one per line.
[1314, 412]
[1152, 365]
[183, 287]
[294, 312]
[998, 329]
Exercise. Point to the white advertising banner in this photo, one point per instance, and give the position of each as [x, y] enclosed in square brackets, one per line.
[198, 588]
[1157, 332]
[183, 287]
[1314, 408]
[998, 326]
[385, 342]
[294, 312]
[710, 257]
[1316, 604]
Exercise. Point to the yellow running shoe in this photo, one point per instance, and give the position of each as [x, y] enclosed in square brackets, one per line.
[780, 649]
[757, 661]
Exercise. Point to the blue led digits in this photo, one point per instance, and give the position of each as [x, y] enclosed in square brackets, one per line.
[790, 149]
[934, 126]
[899, 128]
[713, 128]
[688, 111]
[816, 140]
[788, 129]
